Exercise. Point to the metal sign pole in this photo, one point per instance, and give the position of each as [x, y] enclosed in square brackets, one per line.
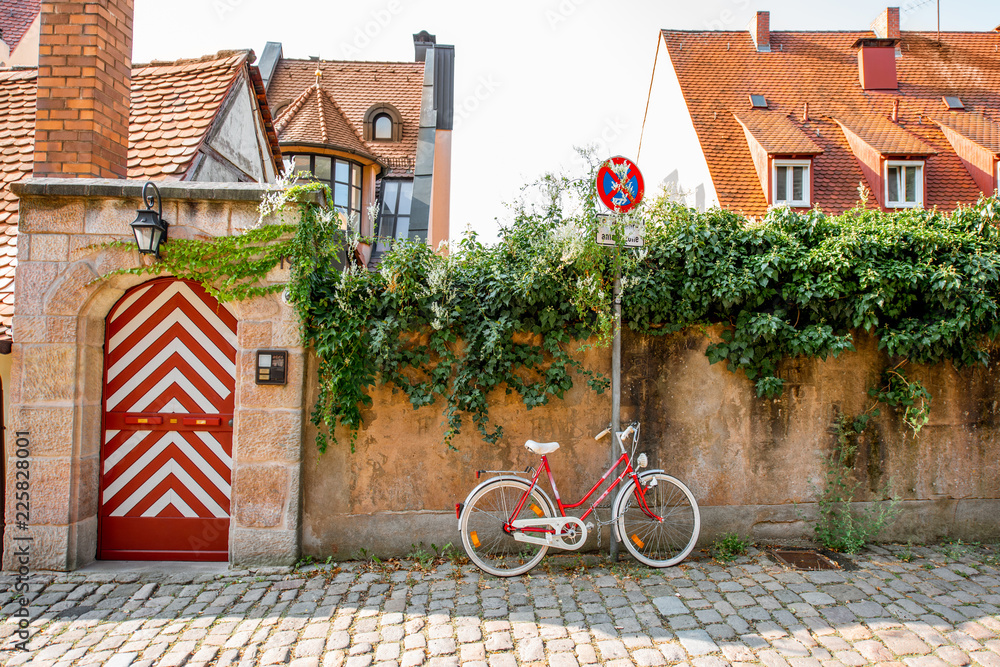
[616, 379]
[620, 188]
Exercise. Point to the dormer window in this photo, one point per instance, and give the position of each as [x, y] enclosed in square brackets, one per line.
[904, 183]
[791, 182]
[383, 122]
[382, 127]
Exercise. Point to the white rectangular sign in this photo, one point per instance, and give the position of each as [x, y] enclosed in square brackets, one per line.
[633, 239]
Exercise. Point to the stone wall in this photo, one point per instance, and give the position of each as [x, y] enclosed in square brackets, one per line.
[58, 356]
[754, 464]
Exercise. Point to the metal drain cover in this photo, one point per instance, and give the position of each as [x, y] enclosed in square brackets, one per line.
[804, 559]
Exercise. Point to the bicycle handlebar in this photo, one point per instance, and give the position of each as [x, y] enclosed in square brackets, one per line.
[602, 434]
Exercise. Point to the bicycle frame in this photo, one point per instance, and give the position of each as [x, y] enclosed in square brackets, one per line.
[628, 471]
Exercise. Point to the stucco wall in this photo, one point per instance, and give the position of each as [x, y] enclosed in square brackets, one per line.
[754, 464]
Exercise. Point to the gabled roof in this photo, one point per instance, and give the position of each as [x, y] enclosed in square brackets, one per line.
[974, 127]
[173, 105]
[314, 117]
[717, 70]
[16, 16]
[355, 87]
[776, 133]
[882, 135]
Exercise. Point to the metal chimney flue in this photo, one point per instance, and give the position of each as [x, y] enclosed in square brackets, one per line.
[421, 42]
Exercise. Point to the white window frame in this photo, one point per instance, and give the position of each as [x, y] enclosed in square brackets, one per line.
[806, 179]
[919, 181]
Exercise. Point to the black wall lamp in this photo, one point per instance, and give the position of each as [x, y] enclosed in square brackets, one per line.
[149, 227]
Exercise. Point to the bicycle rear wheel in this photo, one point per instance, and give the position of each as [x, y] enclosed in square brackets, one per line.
[659, 543]
[493, 550]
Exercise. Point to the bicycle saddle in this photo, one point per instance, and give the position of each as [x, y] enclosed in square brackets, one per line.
[541, 447]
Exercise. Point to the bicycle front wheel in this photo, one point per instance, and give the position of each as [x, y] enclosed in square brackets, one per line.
[493, 550]
[664, 541]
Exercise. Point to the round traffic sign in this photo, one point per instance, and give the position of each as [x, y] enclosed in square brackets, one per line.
[619, 184]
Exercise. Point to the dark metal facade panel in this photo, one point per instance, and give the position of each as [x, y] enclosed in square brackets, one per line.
[444, 86]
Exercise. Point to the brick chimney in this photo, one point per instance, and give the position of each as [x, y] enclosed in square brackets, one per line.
[886, 24]
[84, 89]
[760, 31]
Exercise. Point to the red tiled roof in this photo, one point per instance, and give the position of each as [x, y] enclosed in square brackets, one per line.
[355, 87]
[717, 70]
[16, 16]
[777, 134]
[17, 131]
[172, 107]
[883, 135]
[973, 126]
[314, 117]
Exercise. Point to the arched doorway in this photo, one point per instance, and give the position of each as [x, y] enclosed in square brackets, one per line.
[166, 452]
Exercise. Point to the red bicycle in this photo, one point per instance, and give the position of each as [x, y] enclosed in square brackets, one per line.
[508, 523]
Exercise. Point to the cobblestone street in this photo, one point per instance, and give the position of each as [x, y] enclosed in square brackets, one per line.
[942, 607]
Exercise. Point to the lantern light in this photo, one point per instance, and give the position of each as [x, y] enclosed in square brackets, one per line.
[149, 227]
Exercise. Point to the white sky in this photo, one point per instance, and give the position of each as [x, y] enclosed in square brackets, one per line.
[533, 79]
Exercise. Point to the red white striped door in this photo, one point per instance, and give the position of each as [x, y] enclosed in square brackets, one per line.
[166, 456]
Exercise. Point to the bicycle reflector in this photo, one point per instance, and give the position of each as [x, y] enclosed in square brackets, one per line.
[639, 543]
[458, 510]
[536, 509]
[474, 538]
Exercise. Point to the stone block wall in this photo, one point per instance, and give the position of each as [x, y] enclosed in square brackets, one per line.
[58, 367]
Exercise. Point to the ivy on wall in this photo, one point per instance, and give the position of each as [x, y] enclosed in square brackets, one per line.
[455, 327]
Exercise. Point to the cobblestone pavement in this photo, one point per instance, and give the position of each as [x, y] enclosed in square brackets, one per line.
[942, 607]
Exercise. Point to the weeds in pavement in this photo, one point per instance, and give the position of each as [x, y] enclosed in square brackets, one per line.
[907, 555]
[956, 549]
[729, 547]
[420, 556]
[425, 559]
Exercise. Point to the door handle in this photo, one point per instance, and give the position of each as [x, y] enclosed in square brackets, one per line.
[230, 422]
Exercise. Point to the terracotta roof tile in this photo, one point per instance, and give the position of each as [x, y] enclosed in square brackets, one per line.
[973, 126]
[883, 135]
[776, 133]
[717, 70]
[314, 117]
[17, 129]
[354, 87]
[16, 16]
[165, 130]
[171, 98]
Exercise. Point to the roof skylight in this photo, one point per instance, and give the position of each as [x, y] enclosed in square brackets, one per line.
[758, 101]
[953, 103]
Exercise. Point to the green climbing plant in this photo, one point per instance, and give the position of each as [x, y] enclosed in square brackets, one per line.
[452, 328]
